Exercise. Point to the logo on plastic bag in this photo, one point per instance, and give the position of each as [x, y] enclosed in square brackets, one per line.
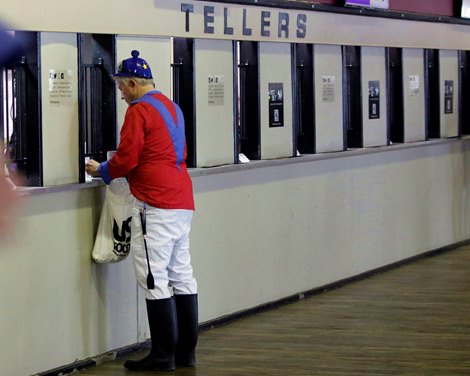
[122, 238]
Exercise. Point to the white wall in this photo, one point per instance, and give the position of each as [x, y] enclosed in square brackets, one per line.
[298, 226]
[261, 232]
[165, 18]
[57, 306]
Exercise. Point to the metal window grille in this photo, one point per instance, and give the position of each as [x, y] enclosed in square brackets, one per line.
[7, 107]
[20, 113]
[183, 84]
[97, 97]
[14, 116]
[248, 120]
[92, 114]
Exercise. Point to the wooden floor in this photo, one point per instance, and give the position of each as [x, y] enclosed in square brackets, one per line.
[412, 320]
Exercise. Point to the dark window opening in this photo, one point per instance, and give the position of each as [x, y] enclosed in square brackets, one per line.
[352, 97]
[20, 111]
[431, 69]
[304, 106]
[183, 91]
[97, 97]
[248, 100]
[396, 132]
[464, 92]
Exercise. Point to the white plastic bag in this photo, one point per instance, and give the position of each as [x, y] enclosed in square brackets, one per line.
[113, 239]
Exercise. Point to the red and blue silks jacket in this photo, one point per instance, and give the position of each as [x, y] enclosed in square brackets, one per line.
[152, 154]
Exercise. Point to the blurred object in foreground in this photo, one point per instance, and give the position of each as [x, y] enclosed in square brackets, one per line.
[9, 199]
[11, 46]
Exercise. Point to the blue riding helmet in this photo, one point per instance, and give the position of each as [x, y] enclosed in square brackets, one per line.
[134, 67]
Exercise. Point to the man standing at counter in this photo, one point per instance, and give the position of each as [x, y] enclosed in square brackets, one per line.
[151, 154]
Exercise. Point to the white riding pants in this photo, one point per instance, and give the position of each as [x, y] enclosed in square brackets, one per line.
[168, 251]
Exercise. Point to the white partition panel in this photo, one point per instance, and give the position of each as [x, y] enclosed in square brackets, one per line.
[449, 92]
[414, 94]
[374, 96]
[328, 78]
[157, 53]
[59, 76]
[276, 100]
[213, 67]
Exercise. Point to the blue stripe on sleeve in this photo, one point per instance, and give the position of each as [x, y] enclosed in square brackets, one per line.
[104, 172]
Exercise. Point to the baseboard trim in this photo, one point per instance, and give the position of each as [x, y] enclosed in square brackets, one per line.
[73, 368]
[124, 351]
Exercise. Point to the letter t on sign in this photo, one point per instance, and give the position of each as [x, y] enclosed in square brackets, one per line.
[187, 8]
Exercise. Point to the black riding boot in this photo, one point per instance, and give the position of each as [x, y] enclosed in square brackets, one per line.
[164, 334]
[187, 313]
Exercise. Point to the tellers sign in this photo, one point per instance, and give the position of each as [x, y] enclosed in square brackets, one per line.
[252, 22]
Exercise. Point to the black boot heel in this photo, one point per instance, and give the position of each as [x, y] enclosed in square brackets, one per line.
[149, 363]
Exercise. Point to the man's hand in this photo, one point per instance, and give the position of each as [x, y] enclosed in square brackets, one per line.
[91, 168]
